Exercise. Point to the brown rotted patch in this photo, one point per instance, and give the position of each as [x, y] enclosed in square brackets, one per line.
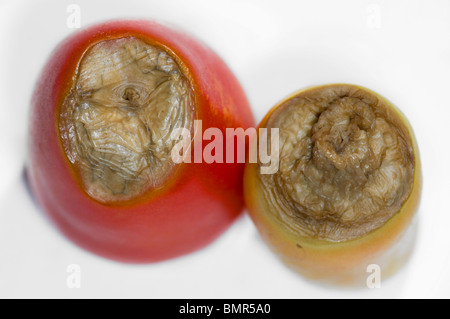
[116, 122]
[346, 163]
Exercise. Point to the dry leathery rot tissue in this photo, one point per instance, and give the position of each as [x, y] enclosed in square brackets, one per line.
[346, 163]
[116, 122]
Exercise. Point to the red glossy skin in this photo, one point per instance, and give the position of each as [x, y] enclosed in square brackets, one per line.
[195, 205]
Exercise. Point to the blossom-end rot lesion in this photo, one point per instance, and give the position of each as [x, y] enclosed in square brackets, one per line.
[115, 124]
[346, 163]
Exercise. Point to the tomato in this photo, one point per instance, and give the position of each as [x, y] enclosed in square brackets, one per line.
[89, 163]
[324, 211]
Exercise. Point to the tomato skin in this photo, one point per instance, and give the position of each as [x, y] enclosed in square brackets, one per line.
[191, 209]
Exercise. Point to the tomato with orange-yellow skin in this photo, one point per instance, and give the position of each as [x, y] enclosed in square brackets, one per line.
[345, 262]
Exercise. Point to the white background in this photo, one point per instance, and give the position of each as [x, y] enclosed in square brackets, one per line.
[400, 49]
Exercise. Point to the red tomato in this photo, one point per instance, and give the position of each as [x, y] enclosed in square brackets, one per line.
[194, 204]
